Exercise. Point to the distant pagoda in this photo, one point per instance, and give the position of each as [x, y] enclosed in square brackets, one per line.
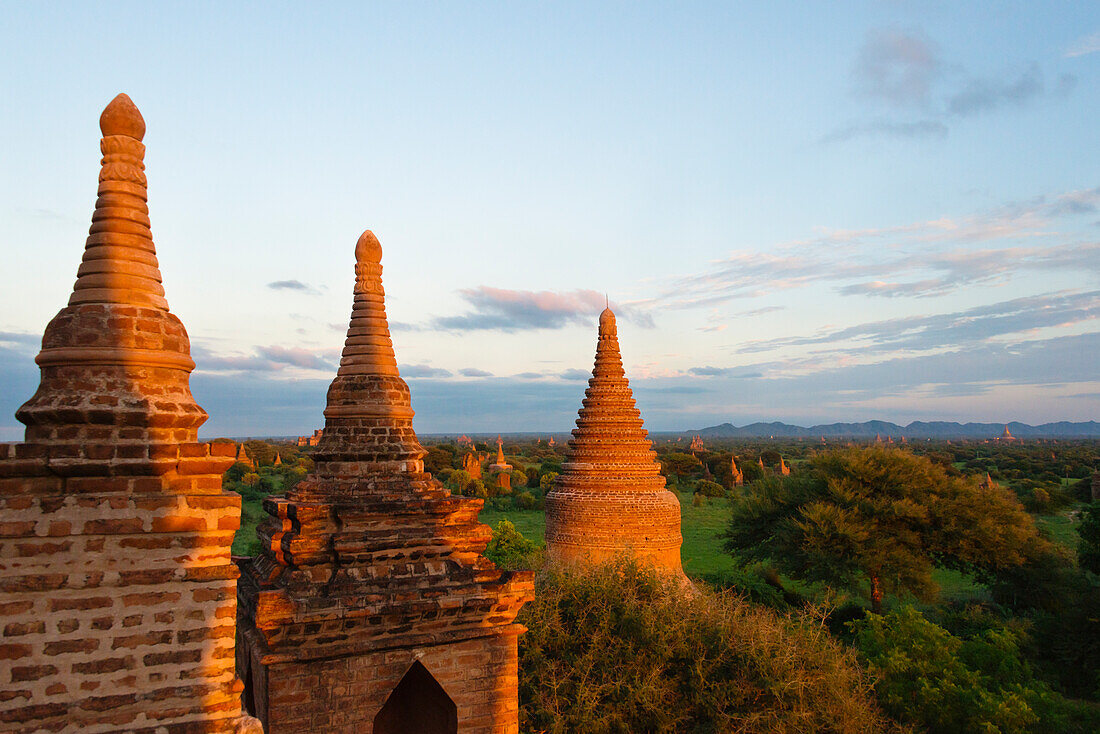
[370, 607]
[610, 498]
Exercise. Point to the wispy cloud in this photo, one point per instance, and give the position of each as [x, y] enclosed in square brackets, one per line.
[897, 67]
[1083, 46]
[575, 374]
[513, 310]
[904, 73]
[264, 359]
[920, 259]
[422, 370]
[979, 325]
[474, 372]
[294, 285]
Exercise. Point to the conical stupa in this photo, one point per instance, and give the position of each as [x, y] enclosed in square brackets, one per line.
[371, 577]
[610, 498]
[135, 589]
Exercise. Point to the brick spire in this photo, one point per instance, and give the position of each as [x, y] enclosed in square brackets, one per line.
[368, 418]
[115, 356]
[369, 565]
[610, 497]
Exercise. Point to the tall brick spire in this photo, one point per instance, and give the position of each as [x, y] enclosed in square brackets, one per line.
[610, 497]
[368, 418]
[131, 598]
[371, 571]
[116, 334]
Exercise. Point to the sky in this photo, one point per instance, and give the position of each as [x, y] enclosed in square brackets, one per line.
[806, 212]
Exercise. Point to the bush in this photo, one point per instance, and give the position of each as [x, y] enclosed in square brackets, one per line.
[546, 481]
[708, 488]
[927, 676]
[526, 501]
[509, 549]
[623, 649]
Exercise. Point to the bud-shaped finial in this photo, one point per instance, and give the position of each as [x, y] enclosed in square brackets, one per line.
[607, 323]
[368, 249]
[122, 117]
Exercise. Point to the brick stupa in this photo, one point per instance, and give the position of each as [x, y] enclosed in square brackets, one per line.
[610, 497]
[371, 608]
[116, 586]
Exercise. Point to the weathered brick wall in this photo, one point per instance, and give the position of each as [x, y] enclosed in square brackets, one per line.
[344, 695]
[117, 593]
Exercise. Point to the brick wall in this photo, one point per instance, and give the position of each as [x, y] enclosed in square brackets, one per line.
[117, 594]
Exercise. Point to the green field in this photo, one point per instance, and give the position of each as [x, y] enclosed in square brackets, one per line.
[701, 526]
[702, 550]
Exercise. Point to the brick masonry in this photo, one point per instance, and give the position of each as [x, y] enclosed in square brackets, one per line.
[369, 566]
[610, 498]
[117, 592]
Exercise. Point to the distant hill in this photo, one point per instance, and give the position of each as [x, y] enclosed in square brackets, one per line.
[916, 429]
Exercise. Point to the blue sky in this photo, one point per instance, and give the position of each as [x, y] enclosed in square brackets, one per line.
[801, 212]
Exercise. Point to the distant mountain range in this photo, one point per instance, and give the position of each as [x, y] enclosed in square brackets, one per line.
[916, 429]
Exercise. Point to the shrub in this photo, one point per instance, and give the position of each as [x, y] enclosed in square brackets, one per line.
[546, 481]
[508, 548]
[708, 488]
[526, 501]
[944, 683]
[623, 649]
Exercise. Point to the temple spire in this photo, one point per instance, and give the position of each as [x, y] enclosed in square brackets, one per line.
[610, 497]
[120, 263]
[368, 415]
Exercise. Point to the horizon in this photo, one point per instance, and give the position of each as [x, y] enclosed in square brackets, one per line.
[801, 214]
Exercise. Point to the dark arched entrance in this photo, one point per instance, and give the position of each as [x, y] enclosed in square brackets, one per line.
[418, 705]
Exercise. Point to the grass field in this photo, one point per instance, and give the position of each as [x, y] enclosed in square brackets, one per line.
[701, 527]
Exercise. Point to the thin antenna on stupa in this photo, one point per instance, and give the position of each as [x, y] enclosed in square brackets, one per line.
[606, 301]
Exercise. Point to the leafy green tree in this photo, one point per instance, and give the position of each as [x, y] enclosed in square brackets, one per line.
[680, 465]
[947, 684]
[546, 481]
[251, 479]
[508, 548]
[1088, 548]
[437, 458]
[878, 517]
[709, 489]
[459, 480]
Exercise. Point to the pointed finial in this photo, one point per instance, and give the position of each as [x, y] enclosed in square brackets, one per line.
[607, 323]
[606, 301]
[368, 249]
[121, 117]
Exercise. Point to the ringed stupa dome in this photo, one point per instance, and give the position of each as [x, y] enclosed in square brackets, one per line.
[610, 498]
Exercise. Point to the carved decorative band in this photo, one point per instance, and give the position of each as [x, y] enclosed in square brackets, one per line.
[368, 411]
[114, 356]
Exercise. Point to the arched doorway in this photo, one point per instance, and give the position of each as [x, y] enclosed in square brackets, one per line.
[418, 705]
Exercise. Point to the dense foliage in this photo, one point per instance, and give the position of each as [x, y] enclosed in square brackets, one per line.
[622, 650]
[880, 519]
[947, 684]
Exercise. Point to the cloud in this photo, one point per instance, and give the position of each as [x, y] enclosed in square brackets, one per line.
[529, 376]
[903, 72]
[268, 359]
[474, 372]
[20, 341]
[897, 67]
[295, 357]
[983, 95]
[732, 372]
[920, 259]
[512, 310]
[423, 370]
[294, 285]
[1083, 46]
[978, 325]
[917, 129]
[575, 374]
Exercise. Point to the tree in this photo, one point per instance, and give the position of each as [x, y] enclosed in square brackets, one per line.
[881, 518]
[678, 464]
[508, 548]
[927, 676]
[1088, 548]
